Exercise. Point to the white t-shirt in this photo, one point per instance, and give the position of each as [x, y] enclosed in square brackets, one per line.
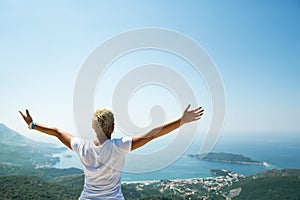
[102, 166]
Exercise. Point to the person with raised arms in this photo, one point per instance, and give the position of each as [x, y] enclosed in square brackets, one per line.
[103, 158]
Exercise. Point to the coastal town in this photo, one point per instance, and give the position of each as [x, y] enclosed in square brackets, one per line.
[195, 188]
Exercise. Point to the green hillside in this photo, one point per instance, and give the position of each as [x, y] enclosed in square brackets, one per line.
[26, 173]
[17, 150]
[43, 173]
[271, 184]
[25, 157]
[284, 185]
[225, 157]
[28, 187]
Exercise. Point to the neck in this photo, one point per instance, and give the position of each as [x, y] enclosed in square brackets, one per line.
[101, 139]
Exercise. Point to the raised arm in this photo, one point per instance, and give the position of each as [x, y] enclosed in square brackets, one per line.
[63, 136]
[187, 117]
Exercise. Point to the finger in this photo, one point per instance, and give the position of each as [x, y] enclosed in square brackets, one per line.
[199, 114]
[27, 113]
[199, 108]
[199, 111]
[22, 114]
[187, 108]
[197, 118]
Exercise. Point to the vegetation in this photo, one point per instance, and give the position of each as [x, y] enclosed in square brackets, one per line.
[22, 156]
[17, 150]
[57, 184]
[155, 191]
[226, 157]
[28, 187]
[25, 170]
[26, 173]
[272, 184]
[43, 173]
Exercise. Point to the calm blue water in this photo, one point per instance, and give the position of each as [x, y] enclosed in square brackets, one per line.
[280, 151]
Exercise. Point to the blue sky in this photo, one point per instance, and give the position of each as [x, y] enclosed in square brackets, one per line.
[254, 44]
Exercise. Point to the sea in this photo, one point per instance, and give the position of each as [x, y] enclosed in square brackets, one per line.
[280, 150]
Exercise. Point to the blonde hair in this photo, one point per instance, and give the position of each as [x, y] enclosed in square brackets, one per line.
[102, 121]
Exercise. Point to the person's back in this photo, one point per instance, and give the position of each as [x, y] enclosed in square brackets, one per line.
[102, 166]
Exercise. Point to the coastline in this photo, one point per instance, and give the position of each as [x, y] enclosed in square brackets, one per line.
[240, 162]
[214, 176]
[184, 168]
[228, 158]
[205, 187]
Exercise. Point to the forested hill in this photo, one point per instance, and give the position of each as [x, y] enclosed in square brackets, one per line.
[17, 150]
[26, 173]
[274, 184]
[226, 157]
[22, 156]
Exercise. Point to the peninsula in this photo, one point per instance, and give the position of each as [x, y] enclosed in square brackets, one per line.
[227, 157]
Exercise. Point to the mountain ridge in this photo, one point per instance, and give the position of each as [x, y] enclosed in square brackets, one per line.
[11, 137]
[25, 174]
[18, 150]
[285, 185]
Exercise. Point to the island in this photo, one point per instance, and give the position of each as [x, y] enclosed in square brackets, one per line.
[227, 157]
[220, 172]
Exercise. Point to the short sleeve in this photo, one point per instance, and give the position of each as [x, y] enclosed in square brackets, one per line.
[124, 143]
[75, 143]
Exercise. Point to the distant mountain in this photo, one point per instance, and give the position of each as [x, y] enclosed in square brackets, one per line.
[22, 156]
[17, 150]
[11, 137]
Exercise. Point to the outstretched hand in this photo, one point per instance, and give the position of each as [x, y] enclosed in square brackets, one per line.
[27, 118]
[190, 116]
